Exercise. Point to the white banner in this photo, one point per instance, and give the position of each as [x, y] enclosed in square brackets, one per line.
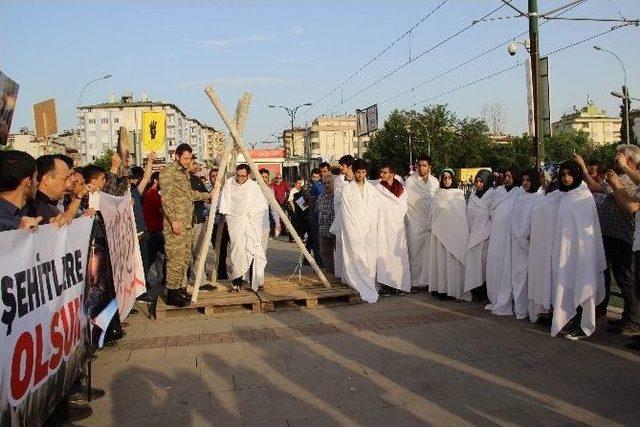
[43, 325]
[124, 250]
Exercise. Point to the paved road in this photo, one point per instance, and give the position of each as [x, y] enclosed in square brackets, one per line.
[406, 361]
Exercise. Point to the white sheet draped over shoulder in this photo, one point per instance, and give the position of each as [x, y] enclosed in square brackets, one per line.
[418, 221]
[359, 212]
[478, 215]
[499, 288]
[520, 233]
[578, 261]
[393, 256]
[336, 225]
[449, 238]
[544, 218]
[247, 215]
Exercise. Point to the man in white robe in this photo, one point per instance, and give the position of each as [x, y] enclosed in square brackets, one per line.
[393, 256]
[420, 188]
[247, 216]
[499, 289]
[345, 177]
[358, 234]
[478, 215]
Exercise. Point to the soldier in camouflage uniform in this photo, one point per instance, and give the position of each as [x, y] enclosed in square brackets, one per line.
[177, 204]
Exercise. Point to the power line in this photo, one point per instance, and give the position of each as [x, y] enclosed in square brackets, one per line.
[480, 55]
[382, 52]
[423, 53]
[517, 65]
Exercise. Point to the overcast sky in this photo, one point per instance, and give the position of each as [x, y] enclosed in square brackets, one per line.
[291, 52]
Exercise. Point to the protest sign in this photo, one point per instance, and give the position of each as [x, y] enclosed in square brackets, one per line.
[8, 95]
[43, 328]
[153, 131]
[124, 250]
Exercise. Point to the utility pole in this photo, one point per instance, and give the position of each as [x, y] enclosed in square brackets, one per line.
[538, 137]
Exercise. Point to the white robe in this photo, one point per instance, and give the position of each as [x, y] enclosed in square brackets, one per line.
[449, 238]
[478, 215]
[544, 218]
[499, 252]
[578, 261]
[336, 225]
[247, 216]
[520, 233]
[359, 235]
[418, 221]
[393, 256]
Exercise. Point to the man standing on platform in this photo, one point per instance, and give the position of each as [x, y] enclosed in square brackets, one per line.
[247, 215]
[345, 177]
[420, 188]
[177, 203]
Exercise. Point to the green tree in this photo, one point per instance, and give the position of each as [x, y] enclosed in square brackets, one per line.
[562, 146]
[104, 161]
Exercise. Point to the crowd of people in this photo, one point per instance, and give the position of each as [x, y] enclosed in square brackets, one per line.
[527, 243]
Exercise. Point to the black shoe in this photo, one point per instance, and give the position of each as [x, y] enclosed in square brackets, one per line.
[80, 394]
[76, 412]
[576, 335]
[145, 297]
[177, 298]
[184, 293]
[633, 345]
[617, 322]
[208, 287]
[626, 328]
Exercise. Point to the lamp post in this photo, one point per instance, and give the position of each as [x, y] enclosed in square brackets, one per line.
[105, 77]
[292, 115]
[625, 92]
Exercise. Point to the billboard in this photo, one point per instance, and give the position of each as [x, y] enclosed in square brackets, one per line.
[44, 114]
[8, 95]
[153, 131]
[367, 120]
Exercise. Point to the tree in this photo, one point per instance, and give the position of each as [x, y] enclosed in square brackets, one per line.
[104, 161]
[493, 115]
[562, 146]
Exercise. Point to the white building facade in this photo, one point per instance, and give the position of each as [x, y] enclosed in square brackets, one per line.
[99, 125]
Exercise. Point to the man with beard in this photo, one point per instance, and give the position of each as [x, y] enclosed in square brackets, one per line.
[17, 184]
[618, 227]
[358, 233]
[345, 177]
[393, 256]
[420, 188]
[247, 216]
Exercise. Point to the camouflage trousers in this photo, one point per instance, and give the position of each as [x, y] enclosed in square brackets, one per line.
[178, 253]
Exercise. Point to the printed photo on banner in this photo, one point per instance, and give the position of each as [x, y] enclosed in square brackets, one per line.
[43, 329]
[8, 96]
[124, 250]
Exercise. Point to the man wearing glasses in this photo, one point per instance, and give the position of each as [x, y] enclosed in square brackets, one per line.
[247, 216]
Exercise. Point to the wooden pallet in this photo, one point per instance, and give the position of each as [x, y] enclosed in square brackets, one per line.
[214, 302]
[308, 292]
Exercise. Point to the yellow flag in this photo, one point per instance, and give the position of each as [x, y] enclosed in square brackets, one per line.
[153, 131]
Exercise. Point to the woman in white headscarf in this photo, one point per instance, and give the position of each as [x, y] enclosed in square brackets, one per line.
[449, 237]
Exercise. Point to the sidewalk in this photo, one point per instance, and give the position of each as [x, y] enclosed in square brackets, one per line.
[405, 361]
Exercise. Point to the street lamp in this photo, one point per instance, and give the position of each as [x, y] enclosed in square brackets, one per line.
[292, 115]
[625, 91]
[105, 77]
[621, 95]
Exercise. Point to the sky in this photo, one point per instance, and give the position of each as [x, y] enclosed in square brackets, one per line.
[294, 52]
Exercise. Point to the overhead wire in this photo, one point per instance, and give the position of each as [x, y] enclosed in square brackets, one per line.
[517, 65]
[422, 54]
[382, 52]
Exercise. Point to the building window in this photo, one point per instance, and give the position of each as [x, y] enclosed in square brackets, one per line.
[585, 125]
[92, 121]
[104, 121]
[92, 133]
[116, 120]
[105, 132]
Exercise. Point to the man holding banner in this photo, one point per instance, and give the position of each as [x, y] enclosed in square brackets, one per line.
[177, 203]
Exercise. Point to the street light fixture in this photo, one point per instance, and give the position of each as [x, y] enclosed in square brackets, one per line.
[292, 115]
[105, 77]
[625, 91]
[618, 94]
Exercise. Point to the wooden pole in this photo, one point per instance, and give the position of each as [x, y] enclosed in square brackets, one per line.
[243, 108]
[266, 190]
